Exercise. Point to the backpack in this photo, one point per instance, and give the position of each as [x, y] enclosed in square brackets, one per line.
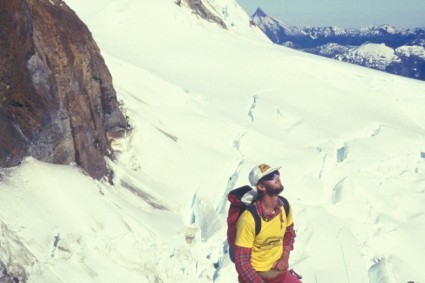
[242, 199]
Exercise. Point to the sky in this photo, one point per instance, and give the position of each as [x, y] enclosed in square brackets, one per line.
[342, 13]
[206, 105]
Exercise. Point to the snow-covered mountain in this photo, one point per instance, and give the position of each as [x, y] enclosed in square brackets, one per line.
[407, 61]
[377, 56]
[205, 104]
[378, 47]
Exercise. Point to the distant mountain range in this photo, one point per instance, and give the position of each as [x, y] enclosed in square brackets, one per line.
[385, 48]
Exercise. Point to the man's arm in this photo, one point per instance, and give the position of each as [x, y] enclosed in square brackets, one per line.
[289, 238]
[244, 267]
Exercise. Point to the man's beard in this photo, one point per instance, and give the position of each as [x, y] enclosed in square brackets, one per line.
[273, 191]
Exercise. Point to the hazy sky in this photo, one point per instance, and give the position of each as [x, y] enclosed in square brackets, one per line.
[342, 13]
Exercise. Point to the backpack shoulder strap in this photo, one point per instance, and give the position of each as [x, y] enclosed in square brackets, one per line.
[285, 205]
[253, 210]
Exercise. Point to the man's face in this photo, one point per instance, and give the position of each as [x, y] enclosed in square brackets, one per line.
[272, 184]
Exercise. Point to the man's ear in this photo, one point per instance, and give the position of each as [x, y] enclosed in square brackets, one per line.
[260, 187]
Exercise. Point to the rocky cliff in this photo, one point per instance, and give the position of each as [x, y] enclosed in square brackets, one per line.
[57, 101]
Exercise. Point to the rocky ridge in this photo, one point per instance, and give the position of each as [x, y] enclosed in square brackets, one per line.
[206, 12]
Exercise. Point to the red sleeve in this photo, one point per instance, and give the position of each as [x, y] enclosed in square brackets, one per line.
[289, 238]
[244, 267]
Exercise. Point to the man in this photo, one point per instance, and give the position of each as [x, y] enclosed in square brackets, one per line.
[264, 257]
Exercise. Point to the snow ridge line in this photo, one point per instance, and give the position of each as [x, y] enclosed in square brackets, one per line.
[343, 257]
[235, 175]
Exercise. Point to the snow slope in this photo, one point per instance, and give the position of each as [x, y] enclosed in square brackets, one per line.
[206, 105]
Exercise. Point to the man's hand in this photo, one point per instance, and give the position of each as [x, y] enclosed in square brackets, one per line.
[282, 263]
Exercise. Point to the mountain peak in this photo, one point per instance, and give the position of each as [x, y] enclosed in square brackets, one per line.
[259, 13]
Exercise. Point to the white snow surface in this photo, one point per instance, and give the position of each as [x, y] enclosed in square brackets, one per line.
[206, 105]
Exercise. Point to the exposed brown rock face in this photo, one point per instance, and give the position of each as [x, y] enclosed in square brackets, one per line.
[57, 102]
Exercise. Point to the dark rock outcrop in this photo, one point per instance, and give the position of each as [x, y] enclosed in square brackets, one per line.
[57, 101]
[200, 9]
[6, 277]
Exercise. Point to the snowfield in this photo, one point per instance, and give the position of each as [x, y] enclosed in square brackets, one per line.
[206, 105]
